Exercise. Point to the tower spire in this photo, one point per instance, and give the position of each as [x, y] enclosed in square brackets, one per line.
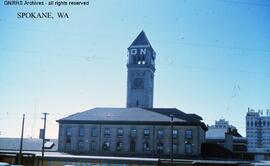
[141, 40]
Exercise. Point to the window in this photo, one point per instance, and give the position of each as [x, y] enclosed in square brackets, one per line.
[146, 146]
[160, 147]
[68, 147]
[175, 133]
[81, 131]
[137, 103]
[132, 146]
[68, 131]
[106, 146]
[251, 124]
[146, 132]
[247, 124]
[68, 140]
[107, 132]
[93, 147]
[175, 147]
[188, 134]
[120, 132]
[133, 133]
[81, 145]
[160, 134]
[94, 132]
[188, 148]
[119, 146]
[68, 135]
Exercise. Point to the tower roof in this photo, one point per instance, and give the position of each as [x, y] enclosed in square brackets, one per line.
[141, 40]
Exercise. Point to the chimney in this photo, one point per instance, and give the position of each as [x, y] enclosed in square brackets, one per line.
[229, 139]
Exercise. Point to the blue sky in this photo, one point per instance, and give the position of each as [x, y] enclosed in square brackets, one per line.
[213, 59]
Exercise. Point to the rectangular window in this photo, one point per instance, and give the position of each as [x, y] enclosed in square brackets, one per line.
[188, 134]
[107, 132]
[160, 133]
[81, 132]
[93, 146]
[81, 146]
[188, 148]
[68, 135]
[133, 133]
[68, 140]
[120, 132]
[132, 146]
[94, 132]
[146, 132]
[175, 133]
[68, 131]
[175, 147]
[67, 147]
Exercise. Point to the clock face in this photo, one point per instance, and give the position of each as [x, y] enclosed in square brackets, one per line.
[138, 83]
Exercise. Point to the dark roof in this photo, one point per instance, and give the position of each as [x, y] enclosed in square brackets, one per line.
[194, 118]
[133, 116]
[141, 40]
[176, 113]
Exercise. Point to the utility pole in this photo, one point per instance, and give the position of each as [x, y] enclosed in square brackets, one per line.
[21, 143]
[43, 136]
[171, 154]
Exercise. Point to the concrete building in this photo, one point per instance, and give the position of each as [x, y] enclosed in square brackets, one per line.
[258, 131]
[131, 131]
[139, 129]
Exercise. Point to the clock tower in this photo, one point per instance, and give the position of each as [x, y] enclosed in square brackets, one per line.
[140, 74]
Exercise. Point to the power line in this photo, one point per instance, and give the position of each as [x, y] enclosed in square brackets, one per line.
[172, 64]
[86, 35]
[245, 3]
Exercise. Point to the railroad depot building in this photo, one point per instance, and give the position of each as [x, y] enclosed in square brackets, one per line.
[139, 129]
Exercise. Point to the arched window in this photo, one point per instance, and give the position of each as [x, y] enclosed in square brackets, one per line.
[106, 146]
[159, 147]
[119, 146]
[146, 146]
[93, 147]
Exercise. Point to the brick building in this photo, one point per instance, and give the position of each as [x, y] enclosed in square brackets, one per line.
[138, 129]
